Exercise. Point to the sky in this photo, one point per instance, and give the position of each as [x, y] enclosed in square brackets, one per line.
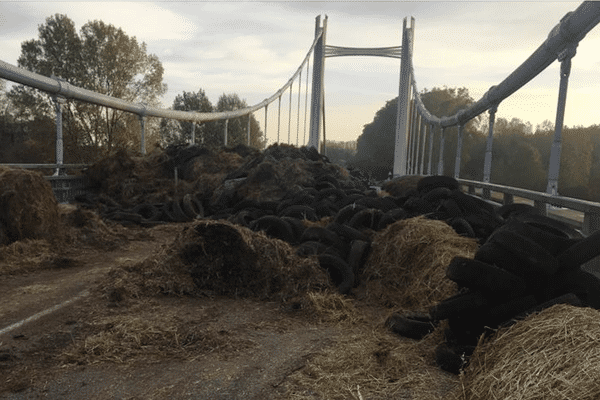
[253, 48]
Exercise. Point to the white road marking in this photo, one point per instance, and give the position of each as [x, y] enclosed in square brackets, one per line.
[43, 313]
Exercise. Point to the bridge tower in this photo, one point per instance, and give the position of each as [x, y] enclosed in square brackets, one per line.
[404, 53]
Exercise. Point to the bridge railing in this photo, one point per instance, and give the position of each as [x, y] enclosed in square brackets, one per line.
[561, 45]
[60, 90]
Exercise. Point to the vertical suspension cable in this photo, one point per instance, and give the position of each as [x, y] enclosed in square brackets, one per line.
[278, 119]
[306, 99]
[266, 108]
[290, 115]
[298, 120]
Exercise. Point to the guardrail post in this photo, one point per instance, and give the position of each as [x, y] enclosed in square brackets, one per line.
[317, 84]
[440, 170]
[266, 108]
[58, 103]
[541, 206]
[400, 149]
[461, 128]
[421, 166]
[143, 134]
[193, 138]
[417, 144]
[429, 171]
[225, 132]
[487, 164]
[411, 149]
[248, 128]
[508, 198]
[591, 223]
[565, 69]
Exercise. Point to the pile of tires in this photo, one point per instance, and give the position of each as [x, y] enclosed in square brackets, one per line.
[530, 263]
[184, 209]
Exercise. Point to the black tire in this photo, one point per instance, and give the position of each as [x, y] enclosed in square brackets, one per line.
[390, 217]
[568, 298]
[410, 325]
[581, 252]
[462, 227]
[418, 205]
[515, 209]
[297, 226]
[346, 213]
[452, 358]
[274, 227]
[328, 178]
[335, 195]
[477, 275]
[435, 196]
[460, 305]
[192, 207]
[178, 213]
[551, 225]
[366, 219]
[549, 240]
[339, 271]
[500, 313]
[532, 256]
[471, 204]
[321, 234]
[350, 199]
[324, 208]
[299, 212]
[307, 249]
[148, 211]
[346, 232]
[167, 213]
[124, 217]
[357, 257]
[451, 209]
[429, 183]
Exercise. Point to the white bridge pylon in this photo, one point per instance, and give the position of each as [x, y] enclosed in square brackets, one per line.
[404, 52]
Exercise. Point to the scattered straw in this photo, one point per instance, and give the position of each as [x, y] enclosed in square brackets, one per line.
[150, 333]
[381, 365]
[331, 307]
[551, 355]
[408, 261]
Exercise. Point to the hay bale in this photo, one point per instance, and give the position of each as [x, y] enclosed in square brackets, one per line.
[402, 186]
[218, 257]
[408, 261]
[550, 355]
[28, 208]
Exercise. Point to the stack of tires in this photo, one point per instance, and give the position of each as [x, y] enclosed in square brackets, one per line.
[528, 264]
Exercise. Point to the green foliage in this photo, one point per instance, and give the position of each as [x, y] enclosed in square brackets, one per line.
[101, 58]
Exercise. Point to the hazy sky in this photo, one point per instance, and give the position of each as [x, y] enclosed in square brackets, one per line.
[253, 48]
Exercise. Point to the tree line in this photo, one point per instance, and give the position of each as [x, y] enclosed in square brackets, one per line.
[102, 58]
[520, 153]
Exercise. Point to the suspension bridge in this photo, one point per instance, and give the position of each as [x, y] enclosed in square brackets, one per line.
[415, 124]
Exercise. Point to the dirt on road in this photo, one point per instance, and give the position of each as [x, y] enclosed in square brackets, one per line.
[102, 346]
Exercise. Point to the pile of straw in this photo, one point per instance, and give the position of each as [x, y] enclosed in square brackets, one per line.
[551, 355]
[220, 258]
[28, 208]
[408, 261]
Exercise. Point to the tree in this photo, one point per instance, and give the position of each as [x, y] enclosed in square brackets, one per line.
[237, 128]
[375, 146]
[102, 58]
[179, 132]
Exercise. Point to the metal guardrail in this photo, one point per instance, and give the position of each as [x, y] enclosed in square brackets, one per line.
[590, 210]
